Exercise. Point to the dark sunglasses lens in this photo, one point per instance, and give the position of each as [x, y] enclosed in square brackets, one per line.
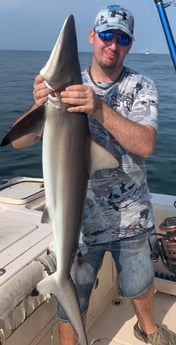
[123, 40]
[106, 35]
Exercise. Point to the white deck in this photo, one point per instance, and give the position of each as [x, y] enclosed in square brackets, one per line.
[109, 322]
[32, 320]
[115, 324]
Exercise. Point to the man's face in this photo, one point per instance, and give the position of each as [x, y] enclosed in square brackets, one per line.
[109, 54]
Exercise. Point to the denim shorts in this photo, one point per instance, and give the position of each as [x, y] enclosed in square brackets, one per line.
[133, 263]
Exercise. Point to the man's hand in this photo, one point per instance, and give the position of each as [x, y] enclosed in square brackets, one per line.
[81, 98]
[40, 92]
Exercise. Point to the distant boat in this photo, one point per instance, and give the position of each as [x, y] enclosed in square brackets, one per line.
[147, 52]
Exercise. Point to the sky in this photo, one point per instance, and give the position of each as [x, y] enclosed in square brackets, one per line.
[35, 24]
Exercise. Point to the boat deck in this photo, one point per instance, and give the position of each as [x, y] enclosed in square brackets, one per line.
[31, 320]
[115, 324]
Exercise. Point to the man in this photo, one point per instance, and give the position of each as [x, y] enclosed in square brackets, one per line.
[122, 109]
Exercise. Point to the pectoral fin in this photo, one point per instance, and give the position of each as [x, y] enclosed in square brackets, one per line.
[100, 158]
[31, 123]
[45, 216]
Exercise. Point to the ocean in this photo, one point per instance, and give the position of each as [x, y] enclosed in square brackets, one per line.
[17, 72]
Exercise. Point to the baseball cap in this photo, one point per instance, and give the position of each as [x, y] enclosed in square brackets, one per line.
[114, 17]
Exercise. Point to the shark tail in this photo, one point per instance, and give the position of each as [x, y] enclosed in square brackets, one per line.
[66, 295]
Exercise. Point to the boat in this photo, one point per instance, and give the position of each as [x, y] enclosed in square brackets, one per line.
[147, 51]
[26, 256]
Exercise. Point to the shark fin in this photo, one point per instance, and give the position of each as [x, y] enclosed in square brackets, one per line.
[31, 123]
[45, 216]
[100, 158]
[64, 290]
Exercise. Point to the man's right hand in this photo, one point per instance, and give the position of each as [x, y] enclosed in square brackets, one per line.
[40, 90]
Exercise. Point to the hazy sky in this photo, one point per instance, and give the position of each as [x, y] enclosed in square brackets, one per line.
[35, 24]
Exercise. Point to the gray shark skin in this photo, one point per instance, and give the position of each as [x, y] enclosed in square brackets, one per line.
[68, 158]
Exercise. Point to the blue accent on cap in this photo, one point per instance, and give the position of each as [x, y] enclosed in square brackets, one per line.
[114, 17]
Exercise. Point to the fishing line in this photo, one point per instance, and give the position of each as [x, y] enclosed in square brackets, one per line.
[169, 3]
[153, 9]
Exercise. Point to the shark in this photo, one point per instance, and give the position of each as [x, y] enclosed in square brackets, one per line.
[69, 159]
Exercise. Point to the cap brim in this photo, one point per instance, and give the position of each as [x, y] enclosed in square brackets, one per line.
[105, 27]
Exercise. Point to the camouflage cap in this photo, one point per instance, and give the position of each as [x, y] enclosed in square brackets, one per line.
[114, 17]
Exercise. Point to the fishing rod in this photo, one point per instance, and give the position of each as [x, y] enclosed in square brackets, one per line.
[166, 27]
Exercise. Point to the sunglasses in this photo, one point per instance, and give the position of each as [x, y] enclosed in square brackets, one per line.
[121, 38]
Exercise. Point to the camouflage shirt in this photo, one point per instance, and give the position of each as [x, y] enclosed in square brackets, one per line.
[118, 200]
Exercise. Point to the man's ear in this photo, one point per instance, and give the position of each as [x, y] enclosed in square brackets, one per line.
[91, 36]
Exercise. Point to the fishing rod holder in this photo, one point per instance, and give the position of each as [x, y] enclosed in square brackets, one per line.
[164, 246]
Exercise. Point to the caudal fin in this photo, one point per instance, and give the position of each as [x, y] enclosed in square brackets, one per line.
[65, 293]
